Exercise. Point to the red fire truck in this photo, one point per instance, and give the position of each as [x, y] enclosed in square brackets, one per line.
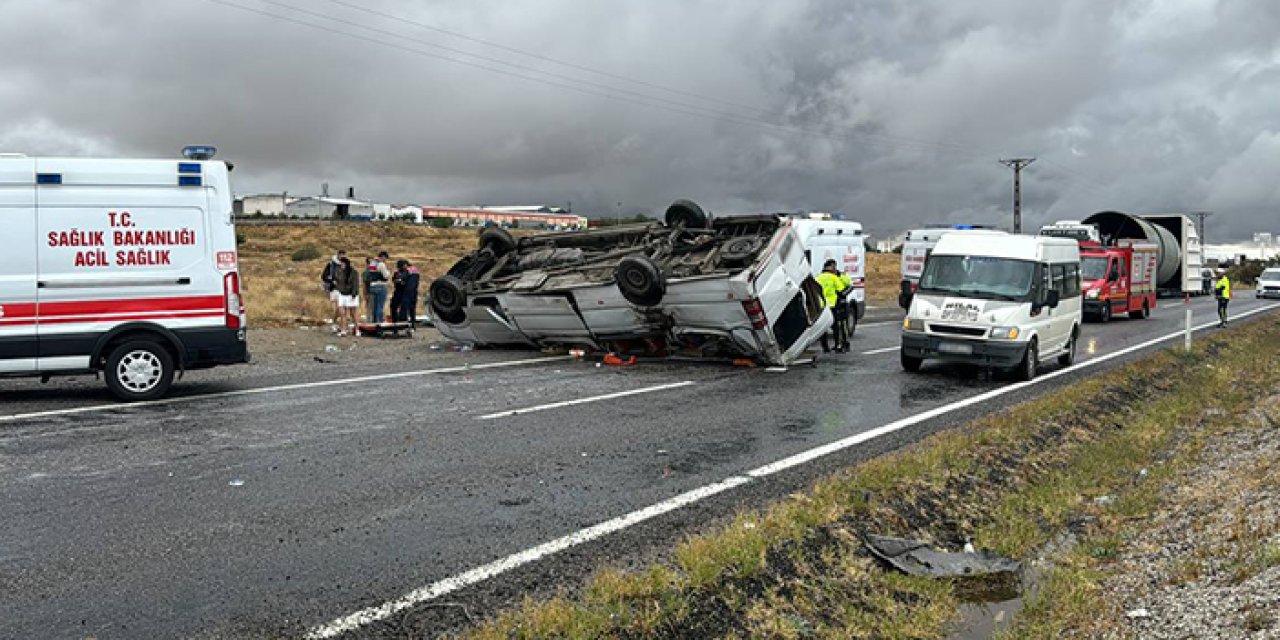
[1119, 278]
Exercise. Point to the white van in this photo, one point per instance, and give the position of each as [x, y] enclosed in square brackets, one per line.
[842, 241]
[124, 267]
[996, 299]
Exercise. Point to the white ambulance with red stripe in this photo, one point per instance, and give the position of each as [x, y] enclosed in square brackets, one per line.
[126, 268]
[842, 241]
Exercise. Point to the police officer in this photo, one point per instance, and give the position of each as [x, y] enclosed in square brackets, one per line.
[835, 286]
[1222, 291]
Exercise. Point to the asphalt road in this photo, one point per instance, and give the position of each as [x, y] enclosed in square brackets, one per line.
[244, 511]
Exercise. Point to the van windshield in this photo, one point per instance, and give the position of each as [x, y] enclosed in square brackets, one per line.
[978, 277]
[1270, 275]
[1093, 268]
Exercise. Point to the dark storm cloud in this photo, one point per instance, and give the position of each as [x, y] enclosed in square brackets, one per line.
[893, 112]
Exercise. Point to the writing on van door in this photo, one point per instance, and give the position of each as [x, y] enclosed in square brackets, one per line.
[131, 239]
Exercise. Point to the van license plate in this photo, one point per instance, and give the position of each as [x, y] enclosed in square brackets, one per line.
[955, 347]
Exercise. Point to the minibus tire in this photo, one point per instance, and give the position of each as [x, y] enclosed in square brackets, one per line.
[139, 370]
[741, 249]
[499, 241]
[911, 364]
[1069, 357]
[1026, 370]
[448, 299]
[686, 212]
[1142, 314]
[640, 281]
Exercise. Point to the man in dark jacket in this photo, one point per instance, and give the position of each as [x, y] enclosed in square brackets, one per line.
[404, 300]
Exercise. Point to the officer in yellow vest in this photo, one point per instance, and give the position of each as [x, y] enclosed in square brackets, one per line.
[835, 286]
[1222, 291]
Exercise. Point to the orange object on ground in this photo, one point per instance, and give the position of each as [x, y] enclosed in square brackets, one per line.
[613, 360]
[744, 362]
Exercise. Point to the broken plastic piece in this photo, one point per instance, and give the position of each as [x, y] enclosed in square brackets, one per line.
[744, 362]
[613, 360]
[916, 558]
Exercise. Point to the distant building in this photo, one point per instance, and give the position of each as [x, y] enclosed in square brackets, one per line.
[524, 217]
[265, 204]
[329, 207]
[1265, 239]
[406, 212]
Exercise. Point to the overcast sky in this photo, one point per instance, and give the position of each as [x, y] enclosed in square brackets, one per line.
[892, 112]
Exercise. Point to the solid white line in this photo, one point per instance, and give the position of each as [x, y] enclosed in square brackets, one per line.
[284, 387]
[884, 350]
[484, 572]
[568, 403]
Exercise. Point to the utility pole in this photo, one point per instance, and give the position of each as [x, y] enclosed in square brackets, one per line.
[617, 214]
[1017, 165]
[1200, 216]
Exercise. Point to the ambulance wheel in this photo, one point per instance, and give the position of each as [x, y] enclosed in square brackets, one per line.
[1026, 370]
[1105, 314]
[139, 370]
[448, 299]
[911, 364]
[686, 212]
[498, 240]
[640, 281]
[1143, 314]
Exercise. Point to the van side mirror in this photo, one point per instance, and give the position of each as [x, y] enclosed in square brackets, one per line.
[905, 294]
[1052, 299]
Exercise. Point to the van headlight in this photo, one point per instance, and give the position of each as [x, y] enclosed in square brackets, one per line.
[1005, 333]
[1091, 294]
[912, 324]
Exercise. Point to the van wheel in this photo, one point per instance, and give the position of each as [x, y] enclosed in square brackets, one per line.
[498, 240]
[739, 250]
[911, 364]
[1030, 362]
[139, 370]
[1069, 358]
[686, 212]
[640, 281]
[1143, 314]
[448, 299]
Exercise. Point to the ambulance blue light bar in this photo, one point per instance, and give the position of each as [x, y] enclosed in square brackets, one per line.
[188, 167]
[189, 181]
[199, 152]
[48, 178]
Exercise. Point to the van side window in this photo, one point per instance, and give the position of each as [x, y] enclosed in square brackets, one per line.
[1072, 281]
[1059, 272]
[1124, 269]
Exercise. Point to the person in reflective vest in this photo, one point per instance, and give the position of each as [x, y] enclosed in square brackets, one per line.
[835, 286]
[1222, 291]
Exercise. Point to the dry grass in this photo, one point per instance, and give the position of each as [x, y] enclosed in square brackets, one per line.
[884, 272]
[279, 291]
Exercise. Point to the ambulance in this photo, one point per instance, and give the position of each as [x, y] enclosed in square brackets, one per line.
[124, 268]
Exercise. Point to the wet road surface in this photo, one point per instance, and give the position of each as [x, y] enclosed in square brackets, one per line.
[267, 513]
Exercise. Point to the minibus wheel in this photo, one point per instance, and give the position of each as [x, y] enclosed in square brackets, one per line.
[911, 364]
[498, 240]
[1069, 357]
[139, 370]
[448, 299]
[1030, 362]
[640, 281]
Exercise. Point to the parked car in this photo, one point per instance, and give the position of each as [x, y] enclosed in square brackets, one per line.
[1268, 283]
[733, 286]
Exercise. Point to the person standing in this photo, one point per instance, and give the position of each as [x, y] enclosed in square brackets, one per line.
[347, 284]
[835, 286]
[376, 278]
[1222, 291]
[407, 283]
[397, 291]
[327, 279]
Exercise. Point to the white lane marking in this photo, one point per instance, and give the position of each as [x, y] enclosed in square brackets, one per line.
[284, 387]
[453, 583]
[484, 572]
[569, 403]
[884, 350]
